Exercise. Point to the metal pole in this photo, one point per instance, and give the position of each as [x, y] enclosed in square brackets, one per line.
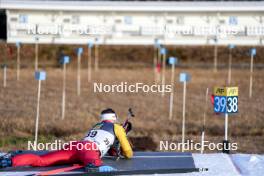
[226, 126]
[215, 57]
[63, 92]
[172, 92]
[163, 72]
[96, 66]
[37, 117]
[36, 56]
[229, 66]
[183, 114]
[18, 63]
[5, 75]
[204, 117]
[89, 71]
[205, 107]
[79, 75]
[226, 148]
[251, 76]
[202, 142]
[158, 62]
[155, 63]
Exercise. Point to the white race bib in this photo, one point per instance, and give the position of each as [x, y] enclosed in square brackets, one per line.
[103, 139]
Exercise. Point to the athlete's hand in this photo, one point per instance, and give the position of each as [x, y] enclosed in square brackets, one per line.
[113, 151]
[128, 127]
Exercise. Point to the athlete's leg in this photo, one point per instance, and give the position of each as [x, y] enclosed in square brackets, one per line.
[51, 158]
[89, 154]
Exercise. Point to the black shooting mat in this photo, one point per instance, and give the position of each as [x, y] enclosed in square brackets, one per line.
[142, 162]
[152, 160]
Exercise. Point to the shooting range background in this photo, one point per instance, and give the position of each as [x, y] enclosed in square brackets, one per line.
[128, 64]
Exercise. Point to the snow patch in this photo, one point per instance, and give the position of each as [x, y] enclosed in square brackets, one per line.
[249, 164]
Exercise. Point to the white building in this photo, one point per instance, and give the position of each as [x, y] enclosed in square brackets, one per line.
[131, 22]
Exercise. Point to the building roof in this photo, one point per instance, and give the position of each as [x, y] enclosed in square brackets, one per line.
[168, 6]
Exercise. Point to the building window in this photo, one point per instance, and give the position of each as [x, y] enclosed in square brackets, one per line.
[233, 20]
[180, 20]
[156, 19]
[128, 20]
[118, 21]
[66, 20]
[222, 21]
[75, 19]
[208, 19]
[13, 19]
[23, 18]
[169, 21]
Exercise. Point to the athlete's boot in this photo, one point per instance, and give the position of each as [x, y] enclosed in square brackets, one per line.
[5, 161]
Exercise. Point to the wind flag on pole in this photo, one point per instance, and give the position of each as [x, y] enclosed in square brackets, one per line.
[172, 61]
[184, 78]
[65, 60]
[39, 76]
[79, 53]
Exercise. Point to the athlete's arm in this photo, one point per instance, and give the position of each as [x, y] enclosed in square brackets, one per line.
[122, 138]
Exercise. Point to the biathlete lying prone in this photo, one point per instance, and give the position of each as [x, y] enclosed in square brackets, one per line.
[99, 141]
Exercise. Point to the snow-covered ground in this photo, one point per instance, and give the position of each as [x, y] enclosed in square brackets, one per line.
[218, 164]
[228, 165]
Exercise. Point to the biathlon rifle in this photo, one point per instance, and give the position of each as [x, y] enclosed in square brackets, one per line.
[127, 125]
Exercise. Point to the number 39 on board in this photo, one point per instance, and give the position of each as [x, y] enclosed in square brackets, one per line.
[226, 99]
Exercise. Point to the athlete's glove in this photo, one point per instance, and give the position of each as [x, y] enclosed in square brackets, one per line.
[91, 168]
[106, 169]
[5, 161]
[128, 127]
[115, 149]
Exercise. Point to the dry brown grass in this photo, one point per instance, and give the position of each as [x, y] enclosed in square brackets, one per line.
[18, 105]
[126, 55]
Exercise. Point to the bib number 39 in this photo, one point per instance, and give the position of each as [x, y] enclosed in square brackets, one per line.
[223, 104]
[92, 134]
